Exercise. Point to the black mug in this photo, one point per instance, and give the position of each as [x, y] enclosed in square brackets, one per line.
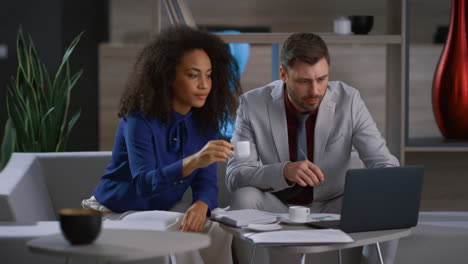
[361, 25]
[80, 226]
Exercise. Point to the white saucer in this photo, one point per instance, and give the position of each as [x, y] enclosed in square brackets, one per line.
[264, 227]
[288, 221]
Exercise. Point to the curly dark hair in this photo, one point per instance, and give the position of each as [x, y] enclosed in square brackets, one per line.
[148, 88]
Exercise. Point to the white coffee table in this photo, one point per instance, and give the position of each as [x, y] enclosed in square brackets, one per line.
[120, 245]
[360, 239]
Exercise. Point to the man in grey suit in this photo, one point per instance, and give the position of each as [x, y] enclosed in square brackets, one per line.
[296, 162]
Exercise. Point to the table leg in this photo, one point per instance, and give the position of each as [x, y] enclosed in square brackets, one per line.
[340, 257]
[380, 253]
[252, 255]
[172, 259]
[303, 256]
[67, 260]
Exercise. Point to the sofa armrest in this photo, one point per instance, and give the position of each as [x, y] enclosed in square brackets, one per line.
[24, 195]
[71, 177]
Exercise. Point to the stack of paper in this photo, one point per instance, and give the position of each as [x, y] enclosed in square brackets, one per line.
[240, 218]
[299, 237]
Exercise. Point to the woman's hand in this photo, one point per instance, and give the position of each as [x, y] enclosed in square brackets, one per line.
[213, 151]
[195, 217]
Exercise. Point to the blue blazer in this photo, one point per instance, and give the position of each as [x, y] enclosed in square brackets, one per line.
[145, 171]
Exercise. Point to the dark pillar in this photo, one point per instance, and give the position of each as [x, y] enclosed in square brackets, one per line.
[52, 25]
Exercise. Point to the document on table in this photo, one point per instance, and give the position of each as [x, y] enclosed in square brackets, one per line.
[299, 237]
[314, 217]
[240, 218]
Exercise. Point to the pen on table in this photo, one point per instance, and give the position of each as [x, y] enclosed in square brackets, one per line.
[303, 154]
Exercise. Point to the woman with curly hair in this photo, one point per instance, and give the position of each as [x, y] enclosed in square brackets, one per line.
[177, 97]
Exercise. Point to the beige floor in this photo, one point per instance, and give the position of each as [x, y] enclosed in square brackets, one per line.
[440, 237]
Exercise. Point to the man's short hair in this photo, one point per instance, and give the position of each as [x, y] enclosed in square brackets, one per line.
[306, 47]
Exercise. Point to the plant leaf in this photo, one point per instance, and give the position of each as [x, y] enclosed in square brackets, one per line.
[71, 124]
[44, 136]
[8, 144]
[37, 104]
[21, 51]
[65, 58]
[17, 120]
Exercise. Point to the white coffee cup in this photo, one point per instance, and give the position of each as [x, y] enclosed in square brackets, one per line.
[298, 213]
[242, 149]
[342, 26]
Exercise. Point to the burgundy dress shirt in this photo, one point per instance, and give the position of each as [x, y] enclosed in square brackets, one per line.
[305, 195]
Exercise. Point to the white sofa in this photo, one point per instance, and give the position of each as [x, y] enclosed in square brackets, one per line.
[32, 187]
[35, 185]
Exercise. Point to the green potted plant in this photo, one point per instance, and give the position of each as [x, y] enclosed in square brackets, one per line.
[37, 104]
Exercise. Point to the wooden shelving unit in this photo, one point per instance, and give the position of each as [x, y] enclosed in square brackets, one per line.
[435, 144]
[329, 38]
[396, 42]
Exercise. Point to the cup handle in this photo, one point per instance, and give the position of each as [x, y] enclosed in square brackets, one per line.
[308, 211]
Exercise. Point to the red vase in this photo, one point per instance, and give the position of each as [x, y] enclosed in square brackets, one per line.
[450, 84]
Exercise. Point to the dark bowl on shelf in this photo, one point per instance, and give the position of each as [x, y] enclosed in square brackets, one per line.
[361, 25]
[80, 226]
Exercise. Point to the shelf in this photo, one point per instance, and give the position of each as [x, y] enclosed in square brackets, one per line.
[277, 38]
[436, 144]
[329, 38]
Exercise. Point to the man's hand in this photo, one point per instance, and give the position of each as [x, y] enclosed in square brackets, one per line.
[195, 217]
[213, 151]
[303, 173]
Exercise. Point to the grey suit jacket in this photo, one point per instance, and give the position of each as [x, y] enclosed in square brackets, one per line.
[343, 121]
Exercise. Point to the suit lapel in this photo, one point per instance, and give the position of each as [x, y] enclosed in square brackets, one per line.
[278, 123]
[323, 125]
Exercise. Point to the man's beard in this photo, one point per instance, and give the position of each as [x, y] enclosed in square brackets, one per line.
[302, 104]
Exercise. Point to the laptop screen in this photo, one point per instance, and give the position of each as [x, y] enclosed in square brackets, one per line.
[381, 198]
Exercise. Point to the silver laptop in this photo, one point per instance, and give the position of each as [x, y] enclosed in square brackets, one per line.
[379, 199]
